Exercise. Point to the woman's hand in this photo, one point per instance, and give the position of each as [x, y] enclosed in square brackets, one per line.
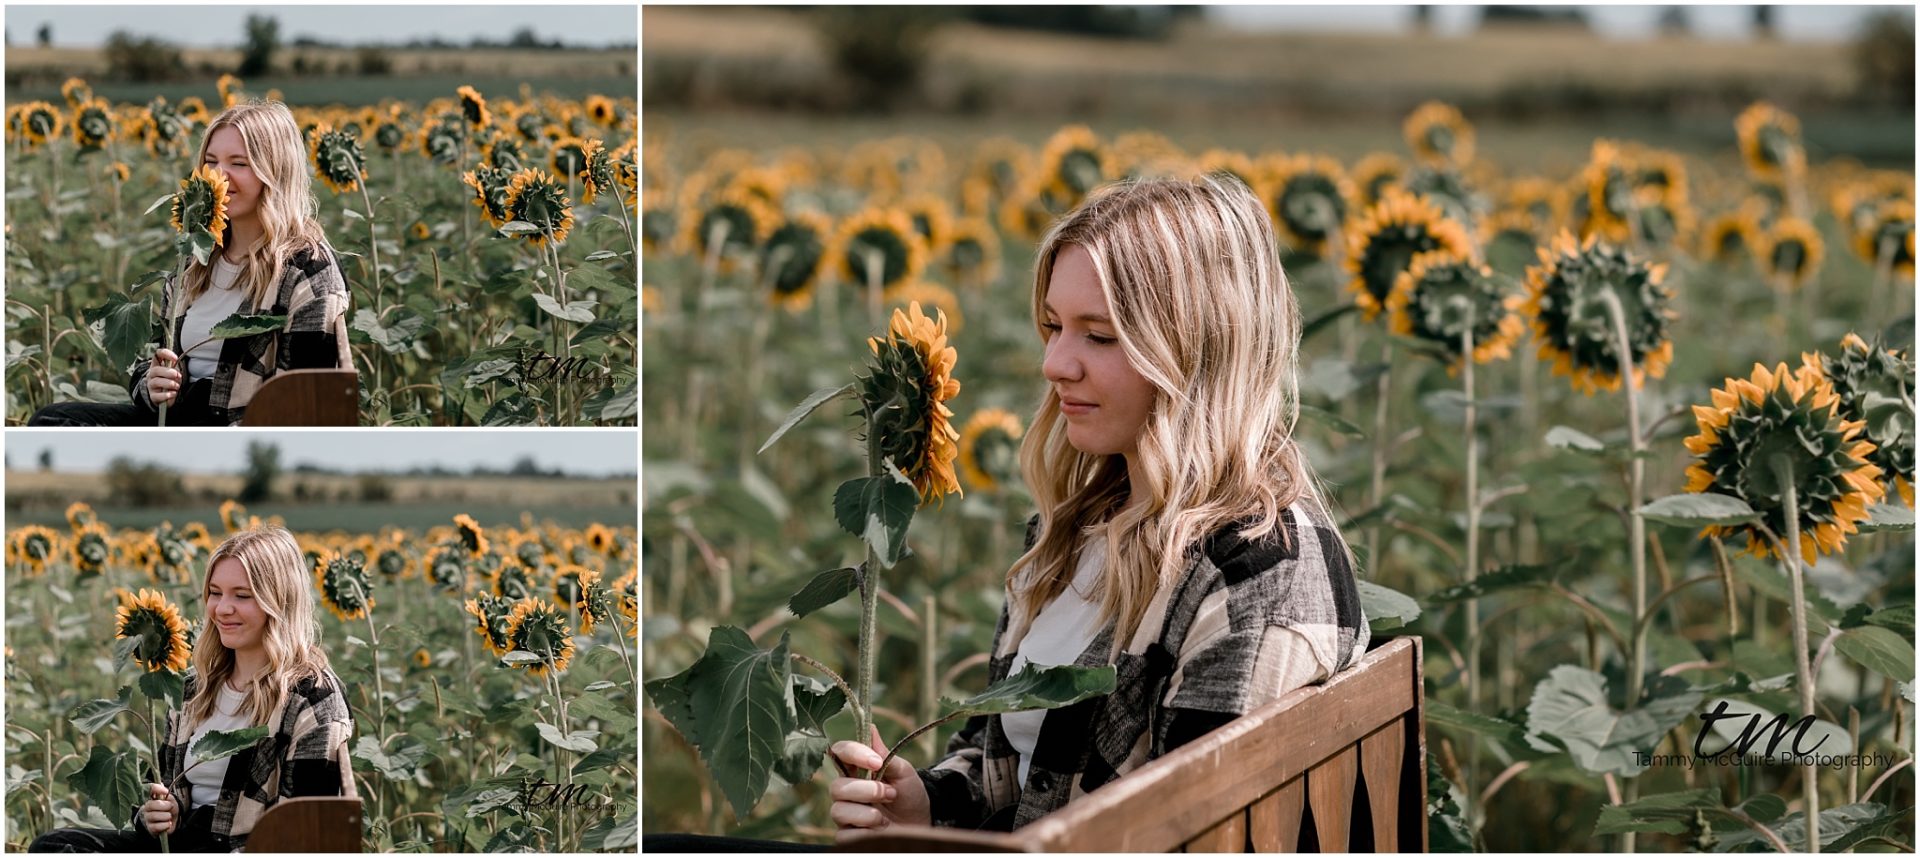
[897, 798]
[163, 381]
[159, 811]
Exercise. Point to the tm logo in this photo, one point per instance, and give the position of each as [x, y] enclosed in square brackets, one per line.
[1755, 730]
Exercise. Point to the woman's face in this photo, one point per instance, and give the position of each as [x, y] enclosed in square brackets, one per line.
[1106, 402]
[233, 610]
[227, 153]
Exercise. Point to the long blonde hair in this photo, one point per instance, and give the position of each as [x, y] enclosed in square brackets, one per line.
[1202, 309]
[288, 212]
[276, 572]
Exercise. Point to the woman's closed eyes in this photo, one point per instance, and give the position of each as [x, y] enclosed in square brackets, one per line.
[1098, 340]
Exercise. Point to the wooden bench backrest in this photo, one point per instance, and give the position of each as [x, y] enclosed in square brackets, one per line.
[306, 397]
[1336, 767]
[308, 824]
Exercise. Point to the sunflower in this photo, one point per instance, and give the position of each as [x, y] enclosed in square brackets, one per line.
[233, 515]
[973, 255]
[1663, 218]
[567, 583]
[76, 92]
[905, 392]
[79, 516]
[879, 244]
[626, 171]
[1543, 200]
[512, 580]
[472, 537]
[599, 176]
[422, 659]
[1438, 135]
[389, 135]
[596, 602]
[529, 551]
[344, 586]
[201, 205]
[1073, 164]
[1309, 198]
[90, 550]
[473, 108]
[1030, 210]
[931, 296]
[538, 627]
[1730, 234]
[41, 122]
[1235, 164]
[392, 562]
[769, 185]
[489, 186]
[1794, 417]
[34, 546]
[1875, 385]
[140, 550]
[568, 157]
[932, 219]
[446, 567]
[1571, 320]
[794, 257]
[119, 172]
[1770, 142]
[152, 620]
[1433, 298]
[738, 222]
[537, 198]
[490, 615]
[503, 153]
[626, 592]
[998, 163]
[1387, 237]
[990, 449]
[659, 222]
[92, 124]
[1790, 252]
[1608, 190]
[229, 87]
[1890, 226]
[600, 538]
[336, 157]
[600, 108]
[442, 138]
[196, 533]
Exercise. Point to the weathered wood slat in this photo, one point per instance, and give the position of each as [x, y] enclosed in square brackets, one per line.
[1275, 819]
[1230, 835]
[1381, 757]
[1330, 794]
[1178, 800]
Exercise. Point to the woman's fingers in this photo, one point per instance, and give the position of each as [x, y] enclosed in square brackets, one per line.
[849, 753]
[847, 814]
[861, 790]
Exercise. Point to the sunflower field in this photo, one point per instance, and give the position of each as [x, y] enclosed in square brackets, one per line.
[1579, 423]
[484, 664]
[488, 246]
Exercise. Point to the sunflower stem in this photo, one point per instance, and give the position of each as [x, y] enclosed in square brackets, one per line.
[1636, 526]
[153, 733]
[373, 243]
[869, 605]
[874, 262]
[1477, 812]
[1382, 391]
[1803, 672]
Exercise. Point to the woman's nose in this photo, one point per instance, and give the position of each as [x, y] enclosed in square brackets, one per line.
[1058, 363]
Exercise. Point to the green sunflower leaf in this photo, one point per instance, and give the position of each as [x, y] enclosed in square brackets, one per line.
[519, 657]
[110, 780]
[736, 705]
[1571, 705]
[612, 833]
[1566, 438]
[125, 327]
[1887, 517]
[518, 227]
[878, 510]
[572, 311]
[1035, 687]
[89, 717]
[1666, 813]
[1331, 420]
[1386, 608]
[825, 589]
[157, 204]
[800, 412]
[1878, 649]
[1699, 510]
[221, 744]
[163, 685]
[578, 741]
[243, 325]
[1504, 578]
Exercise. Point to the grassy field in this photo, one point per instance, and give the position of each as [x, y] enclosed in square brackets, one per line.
[35, 497]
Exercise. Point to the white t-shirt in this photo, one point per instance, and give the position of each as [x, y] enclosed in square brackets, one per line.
[207, 777]
[223, 298]
[1059, 634]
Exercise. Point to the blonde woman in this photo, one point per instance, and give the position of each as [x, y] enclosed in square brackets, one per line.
[257, 661]
[273, 259]
[1181, 534]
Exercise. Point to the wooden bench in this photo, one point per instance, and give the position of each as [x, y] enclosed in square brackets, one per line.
[306, 397]
[313, 823]
[1339, 767]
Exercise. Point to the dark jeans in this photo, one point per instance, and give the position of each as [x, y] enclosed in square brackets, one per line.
[194, 835]
[707, 843]
[191, 410]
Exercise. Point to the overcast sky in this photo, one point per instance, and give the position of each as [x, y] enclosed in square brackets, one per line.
[576, 451]
[1809, 23]
[225, 26]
